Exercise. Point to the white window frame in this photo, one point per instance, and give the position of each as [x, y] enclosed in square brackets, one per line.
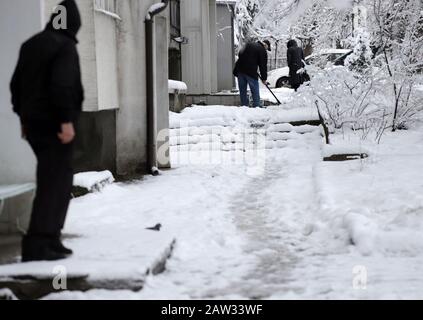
[107, 7]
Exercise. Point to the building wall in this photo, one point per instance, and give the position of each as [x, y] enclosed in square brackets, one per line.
[106, 60]
[199, 57]
[114, 77]
[225, 48]
[112, 131]
[95, 144]
[19, 19]
[86, 49]
[131, 138]
[131, 135]
[97, 48]
[213, 45]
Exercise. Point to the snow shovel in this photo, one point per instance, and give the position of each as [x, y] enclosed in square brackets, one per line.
[267, 86]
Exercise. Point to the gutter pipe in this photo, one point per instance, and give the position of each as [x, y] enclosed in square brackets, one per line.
[154, 10]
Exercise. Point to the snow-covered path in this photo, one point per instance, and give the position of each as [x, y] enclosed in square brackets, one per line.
[270, 213]
[267, 209]
[285, 226]
[239, 222]
[263, 212]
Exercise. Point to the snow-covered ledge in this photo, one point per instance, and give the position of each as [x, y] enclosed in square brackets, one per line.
[177, 95]
[93, 181]
[177, 87]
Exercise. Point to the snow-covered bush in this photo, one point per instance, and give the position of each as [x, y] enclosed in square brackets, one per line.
[361, 58]
[398, 37]
[346, 101]
[361, 102]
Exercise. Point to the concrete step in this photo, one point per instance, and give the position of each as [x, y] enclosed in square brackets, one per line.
[35, 280]
[204, 140]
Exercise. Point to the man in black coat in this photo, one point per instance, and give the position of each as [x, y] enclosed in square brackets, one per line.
[47, 95]
[295, 58]
[252, 58]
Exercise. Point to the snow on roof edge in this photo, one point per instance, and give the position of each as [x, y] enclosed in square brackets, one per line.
[225, 1]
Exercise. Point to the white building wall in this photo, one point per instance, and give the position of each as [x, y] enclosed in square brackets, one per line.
[19, 19]
[198, 24]
[98, 54]
[106, 60]
[86, 49]
[116, 57]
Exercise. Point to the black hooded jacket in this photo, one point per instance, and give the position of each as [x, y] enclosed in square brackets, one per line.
[46, 85]
[295, 57]
[251, 58]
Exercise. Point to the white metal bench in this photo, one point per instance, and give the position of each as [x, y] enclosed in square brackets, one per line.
[11, 191]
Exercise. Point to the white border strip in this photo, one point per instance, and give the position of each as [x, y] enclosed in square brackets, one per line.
[108, 13]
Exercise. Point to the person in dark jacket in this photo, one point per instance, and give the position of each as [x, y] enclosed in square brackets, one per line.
[295, 58]
[47, 95]
[252, 57]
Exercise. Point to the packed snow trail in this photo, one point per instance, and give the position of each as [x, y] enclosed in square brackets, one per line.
[259, 211]
[271, 211]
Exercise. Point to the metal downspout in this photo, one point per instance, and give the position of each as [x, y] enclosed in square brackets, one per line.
[151, 85]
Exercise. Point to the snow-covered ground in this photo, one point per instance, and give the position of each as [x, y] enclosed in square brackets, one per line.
[294, 227]
[230, 231]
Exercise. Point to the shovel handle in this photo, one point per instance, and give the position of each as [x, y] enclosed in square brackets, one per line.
[265, 83]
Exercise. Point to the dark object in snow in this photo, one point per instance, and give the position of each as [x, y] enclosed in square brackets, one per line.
[79, 192]
[346, 157]
[157, 227]
[257, 125]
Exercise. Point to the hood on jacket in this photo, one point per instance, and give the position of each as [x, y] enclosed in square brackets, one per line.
[266, 42]
[73, 21]
[292, 43]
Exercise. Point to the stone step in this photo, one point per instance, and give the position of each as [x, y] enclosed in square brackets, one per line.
[230, 147]
[34, 280]
[242, 137]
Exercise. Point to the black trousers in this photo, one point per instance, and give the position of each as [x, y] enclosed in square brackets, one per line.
[54, 184]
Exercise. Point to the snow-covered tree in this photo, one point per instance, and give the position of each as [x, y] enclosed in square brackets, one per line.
[245, 13]
[318, 24]
[361, 58]
[387, 38]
